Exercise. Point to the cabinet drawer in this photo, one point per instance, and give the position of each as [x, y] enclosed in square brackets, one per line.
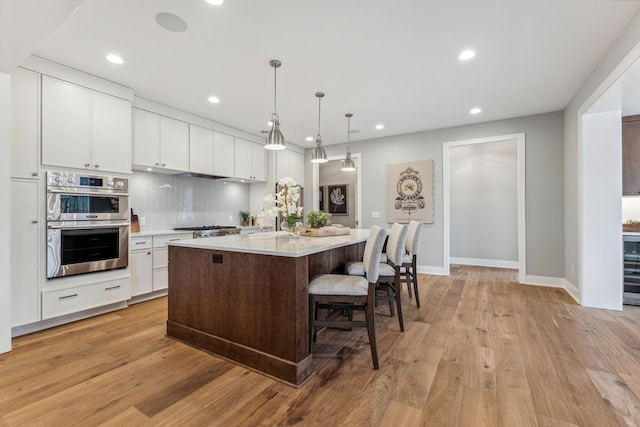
[141, 243]
[163, 240]
[79, 298]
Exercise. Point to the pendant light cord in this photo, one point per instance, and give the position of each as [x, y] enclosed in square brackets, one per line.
[275, 91]
[319, 101]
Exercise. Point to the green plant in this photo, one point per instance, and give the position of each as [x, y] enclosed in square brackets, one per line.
[318, 219]
[245, 216]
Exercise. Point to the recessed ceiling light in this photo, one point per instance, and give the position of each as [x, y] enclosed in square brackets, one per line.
[309, 138]
[215, 2]
[379, 126]
[475, 110]
[465, 55]
[114, 59]
[213, 99]
[171, 22]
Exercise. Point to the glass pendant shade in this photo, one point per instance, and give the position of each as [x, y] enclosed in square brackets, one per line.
[275, 139]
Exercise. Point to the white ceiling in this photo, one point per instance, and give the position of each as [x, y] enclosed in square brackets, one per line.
[391, 62]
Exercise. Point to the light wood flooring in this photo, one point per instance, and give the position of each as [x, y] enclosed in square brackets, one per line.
[482, 350]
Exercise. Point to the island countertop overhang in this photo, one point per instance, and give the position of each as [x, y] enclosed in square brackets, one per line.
[275, 243]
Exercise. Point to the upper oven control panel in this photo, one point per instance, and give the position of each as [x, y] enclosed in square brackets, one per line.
[81, 182]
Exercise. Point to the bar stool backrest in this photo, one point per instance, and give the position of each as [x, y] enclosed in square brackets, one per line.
[372, 252]
[413, 238]
[396, 243]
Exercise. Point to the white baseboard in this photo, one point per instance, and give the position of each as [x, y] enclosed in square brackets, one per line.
[554, 282]
[484, 262]
[429, 269]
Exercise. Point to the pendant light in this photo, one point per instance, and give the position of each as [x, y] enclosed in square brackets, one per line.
[275, 139]
[318, 155]
[348, 165]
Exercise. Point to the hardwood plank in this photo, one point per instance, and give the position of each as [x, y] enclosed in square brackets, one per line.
[618, 396]
[398, 414]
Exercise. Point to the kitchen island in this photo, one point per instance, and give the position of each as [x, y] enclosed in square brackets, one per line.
[245, 297]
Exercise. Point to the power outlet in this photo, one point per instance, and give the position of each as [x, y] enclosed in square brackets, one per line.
[143, 220]
[230, 218]
[375, 214]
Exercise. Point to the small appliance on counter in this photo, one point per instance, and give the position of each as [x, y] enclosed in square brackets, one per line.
[210, 230]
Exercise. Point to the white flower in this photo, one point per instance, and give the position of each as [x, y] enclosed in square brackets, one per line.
[284, 202]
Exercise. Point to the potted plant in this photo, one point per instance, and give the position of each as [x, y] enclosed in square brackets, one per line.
[318, 219]
[245, 217]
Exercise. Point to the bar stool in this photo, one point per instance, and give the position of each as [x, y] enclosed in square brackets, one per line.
[388, 284]
[408, 273]
[349, 293]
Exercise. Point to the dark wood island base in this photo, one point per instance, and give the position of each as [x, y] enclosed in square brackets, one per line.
[249, 308]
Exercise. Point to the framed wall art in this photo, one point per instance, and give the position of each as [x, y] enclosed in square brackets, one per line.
[337, 199]
[321, 198]
[410, 192]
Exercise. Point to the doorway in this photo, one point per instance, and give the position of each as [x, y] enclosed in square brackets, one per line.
[338, 192]
[471, 146]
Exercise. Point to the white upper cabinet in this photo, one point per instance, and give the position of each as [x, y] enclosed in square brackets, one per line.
[160, 142]
[223, 155]
[25, 124]
[250, 160]
[290, 163]
[200, 150]
[84, 129]
[110, 144]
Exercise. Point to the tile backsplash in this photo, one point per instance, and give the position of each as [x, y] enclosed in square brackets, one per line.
[168, 201]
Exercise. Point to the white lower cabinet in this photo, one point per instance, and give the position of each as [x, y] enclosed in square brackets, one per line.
[149, 262]
[141, 265]
[78, 298]
[26, 246]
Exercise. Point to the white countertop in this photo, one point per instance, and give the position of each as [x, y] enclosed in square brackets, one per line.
[276, 243]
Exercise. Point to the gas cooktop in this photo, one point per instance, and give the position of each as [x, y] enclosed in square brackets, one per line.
[205, 227]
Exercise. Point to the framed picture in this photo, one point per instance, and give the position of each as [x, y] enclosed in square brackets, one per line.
[410, 192]
[338, 199]
[321, 205]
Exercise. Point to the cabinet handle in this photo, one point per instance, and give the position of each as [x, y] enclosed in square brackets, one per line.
[96, 166]
[111, 287]
[34, 173]
[148, 253]
[173, 240]
[157, 164]
[69, 296]
[86, 165]
[163, 165]
[140, 243]
[34, 221]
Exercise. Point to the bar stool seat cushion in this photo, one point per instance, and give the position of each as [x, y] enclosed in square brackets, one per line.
[387, 270]
[338, 284]
[355, 268]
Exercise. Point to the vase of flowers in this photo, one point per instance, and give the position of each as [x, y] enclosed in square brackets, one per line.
[284, 204]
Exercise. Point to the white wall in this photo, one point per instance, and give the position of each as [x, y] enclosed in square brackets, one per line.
[168, 201]
[5, 272]
[483, 203]
[572, 150]
[544, 177]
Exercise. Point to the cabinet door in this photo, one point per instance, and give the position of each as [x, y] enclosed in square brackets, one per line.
[25, 123]
[283, 168]
[201, 150]
[141, 272]
[259, 162]
[160, 278]
[26, 249]
[174, 144]
[296, 165]
[631, 155]
[146, 138]
[243, 159]
[66, 124]
[223, 155]
[110, 133]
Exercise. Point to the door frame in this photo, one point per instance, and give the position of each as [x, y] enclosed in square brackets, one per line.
[315, 172]
[519, 139]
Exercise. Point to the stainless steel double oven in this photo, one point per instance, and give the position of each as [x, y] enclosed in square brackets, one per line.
[87, 223]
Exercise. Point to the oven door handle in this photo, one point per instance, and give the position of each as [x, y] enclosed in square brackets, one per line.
[105, 192]
[83, 226]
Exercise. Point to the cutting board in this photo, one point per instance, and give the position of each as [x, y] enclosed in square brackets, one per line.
[135, 225]
[325, 231]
